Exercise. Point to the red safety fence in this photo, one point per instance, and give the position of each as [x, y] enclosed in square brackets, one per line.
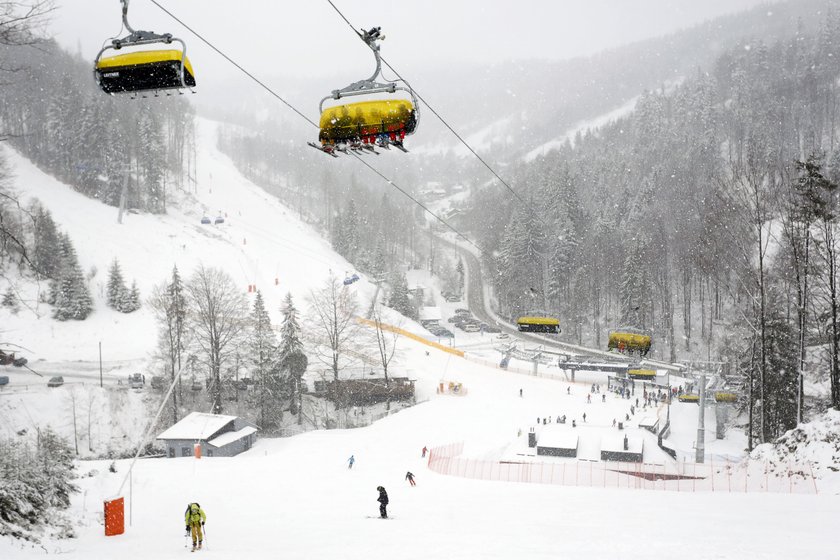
[745, 476]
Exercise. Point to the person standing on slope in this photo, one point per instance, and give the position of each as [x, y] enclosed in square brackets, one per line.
[350, 462]
[383, 502]
[194, 517]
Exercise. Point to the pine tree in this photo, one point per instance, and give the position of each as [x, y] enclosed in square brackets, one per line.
[399, 299]
[46, 255]
[115, 292]
[69, 293]
[293, 361]
[262, 349]
[131, 299]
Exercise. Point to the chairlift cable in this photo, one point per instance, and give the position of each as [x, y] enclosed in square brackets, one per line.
[417, 202]
[307, 119]
[233, 62]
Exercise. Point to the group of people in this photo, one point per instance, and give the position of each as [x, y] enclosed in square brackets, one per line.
[383, 495]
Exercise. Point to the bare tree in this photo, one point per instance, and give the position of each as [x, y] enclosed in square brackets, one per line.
[386, 341]
[217, 320]
[169, 304]
[334, 307]
[750, 186]
[22, 22]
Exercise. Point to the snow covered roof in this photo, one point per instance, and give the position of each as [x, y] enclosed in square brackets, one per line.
[615, 442]
[197, 425]
[558, 436]
[230, 437]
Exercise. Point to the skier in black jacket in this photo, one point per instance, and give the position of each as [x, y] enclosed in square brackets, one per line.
[383, 502]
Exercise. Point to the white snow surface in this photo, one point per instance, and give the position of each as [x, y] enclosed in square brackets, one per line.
[295, 497]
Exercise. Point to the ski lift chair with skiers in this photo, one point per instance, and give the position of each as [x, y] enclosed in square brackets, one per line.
[365, 125]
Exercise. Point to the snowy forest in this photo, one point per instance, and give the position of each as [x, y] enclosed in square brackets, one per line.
[705, 216]
[695, 201]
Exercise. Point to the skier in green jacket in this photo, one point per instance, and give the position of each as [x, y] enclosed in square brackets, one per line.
[194, 517]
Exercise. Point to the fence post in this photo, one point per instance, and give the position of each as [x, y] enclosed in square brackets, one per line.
[790, 478]
[712, 470]
[694, 479]
[766, 477]
[813, 479]
[728, 477]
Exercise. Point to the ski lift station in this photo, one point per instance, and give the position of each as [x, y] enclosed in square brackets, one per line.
[208, 435]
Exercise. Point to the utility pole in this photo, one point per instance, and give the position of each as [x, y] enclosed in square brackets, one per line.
[700, 446]
[100, 363]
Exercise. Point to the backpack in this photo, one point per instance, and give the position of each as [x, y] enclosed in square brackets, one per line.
[192, 509]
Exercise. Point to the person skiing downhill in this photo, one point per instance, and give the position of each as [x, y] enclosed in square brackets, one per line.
[383, 502]
[409, 476]
[194, 517]
[350, 462]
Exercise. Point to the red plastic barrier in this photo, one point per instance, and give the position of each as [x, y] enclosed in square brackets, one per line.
[114, 517]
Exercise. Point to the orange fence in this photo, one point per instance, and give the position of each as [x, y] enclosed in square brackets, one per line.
[746, 476]
[412, 336]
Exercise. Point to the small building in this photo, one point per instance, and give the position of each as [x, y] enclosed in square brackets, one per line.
[622, 447]
[650, 423]
[363, 392]
[430, 315]
[557, 440]
[217, 434]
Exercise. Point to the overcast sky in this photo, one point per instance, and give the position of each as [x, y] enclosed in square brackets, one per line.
[307, 38]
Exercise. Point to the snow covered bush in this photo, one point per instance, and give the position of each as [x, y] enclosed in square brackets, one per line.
[35, 485]
[816, 442]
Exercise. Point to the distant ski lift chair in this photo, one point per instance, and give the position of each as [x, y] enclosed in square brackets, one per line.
[143, 71]
[205, 220]
[365, 125]
[350, 279]
[219, 220]
[538, 324]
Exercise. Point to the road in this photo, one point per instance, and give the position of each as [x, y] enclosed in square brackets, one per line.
[479, 308]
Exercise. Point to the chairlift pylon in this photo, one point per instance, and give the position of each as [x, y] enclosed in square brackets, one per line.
[143, 71]
[363, 126]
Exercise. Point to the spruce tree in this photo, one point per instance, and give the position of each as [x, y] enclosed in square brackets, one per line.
[131, 299]
[69, 292]
[293, 361]
[262, 349]
[46, 255]
[115, 292]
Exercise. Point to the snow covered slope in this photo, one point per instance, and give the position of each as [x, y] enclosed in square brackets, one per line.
[295, 497]
[260, 242]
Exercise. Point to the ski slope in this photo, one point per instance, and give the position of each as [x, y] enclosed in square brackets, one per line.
[295, 497]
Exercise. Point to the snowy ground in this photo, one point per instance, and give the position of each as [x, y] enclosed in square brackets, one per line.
[295, 497]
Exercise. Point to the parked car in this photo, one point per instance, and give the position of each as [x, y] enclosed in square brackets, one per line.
[453, 299]
[471, 328]
[461, 311]
[503, 336]
[453, 319]
[4, 380]
[56, 381]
